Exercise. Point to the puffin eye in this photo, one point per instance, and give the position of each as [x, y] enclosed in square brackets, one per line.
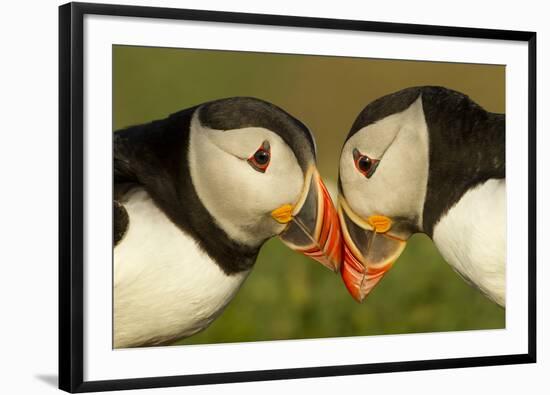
[261, 158]
[364, 164]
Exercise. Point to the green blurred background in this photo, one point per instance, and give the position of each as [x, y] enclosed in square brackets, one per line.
[288, 296]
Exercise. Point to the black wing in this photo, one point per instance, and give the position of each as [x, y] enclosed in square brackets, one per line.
[120, 221]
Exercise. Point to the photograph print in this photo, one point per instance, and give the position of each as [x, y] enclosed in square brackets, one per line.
[263, 196]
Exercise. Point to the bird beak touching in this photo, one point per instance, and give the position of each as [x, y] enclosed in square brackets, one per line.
[371, 247]
[313, 228]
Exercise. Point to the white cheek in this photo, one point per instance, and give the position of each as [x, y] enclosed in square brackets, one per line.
[398, 186]
[235, 190]
[239, 198]
[282, 182]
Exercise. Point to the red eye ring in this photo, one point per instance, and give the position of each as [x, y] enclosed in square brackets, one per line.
[261, 159]
[364, 164]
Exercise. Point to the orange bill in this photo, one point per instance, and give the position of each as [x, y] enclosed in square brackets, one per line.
[370, 250]
[313, 227]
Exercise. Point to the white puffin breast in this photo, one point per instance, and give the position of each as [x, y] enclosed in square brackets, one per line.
[165, 286]
[472, 238]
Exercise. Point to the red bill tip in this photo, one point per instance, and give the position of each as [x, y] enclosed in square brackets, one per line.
[328, 250]
[358, 279]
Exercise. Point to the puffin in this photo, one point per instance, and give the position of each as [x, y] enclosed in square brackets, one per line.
[430, 160]
[196, 195]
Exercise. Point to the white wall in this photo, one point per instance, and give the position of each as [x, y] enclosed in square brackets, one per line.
[28, 163]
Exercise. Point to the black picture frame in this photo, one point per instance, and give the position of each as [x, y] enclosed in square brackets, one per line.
[71, 173]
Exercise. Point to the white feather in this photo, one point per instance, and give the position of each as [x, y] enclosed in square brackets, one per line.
[239, 198]
[165, 286]
[472, 238]
[398, 187]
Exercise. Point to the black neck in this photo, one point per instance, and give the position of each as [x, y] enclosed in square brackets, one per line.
[155, 156]
[467, 147]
